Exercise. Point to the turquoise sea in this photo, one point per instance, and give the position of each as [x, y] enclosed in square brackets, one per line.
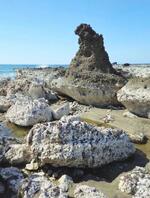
[8, 70]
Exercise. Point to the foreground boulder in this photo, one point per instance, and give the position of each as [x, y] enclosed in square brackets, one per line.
[90, 78]
[38, 185]
[84, 191]
[29, 112]
[136, 183]
[135, 96]
[73, 143]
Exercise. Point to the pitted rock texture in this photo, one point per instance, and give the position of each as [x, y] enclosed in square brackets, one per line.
[73, 143]
[5, 143]
[135, 96]
[84, 191]
[38, 185]
[137, 183]
[29, 112]
[91, 55]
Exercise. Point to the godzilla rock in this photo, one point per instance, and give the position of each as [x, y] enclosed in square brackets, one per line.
[90, 78]
[84, 191]
[29, 112]
[135, 96]
[73, 143]
[91, 55]
[136, 183]
[38, 185]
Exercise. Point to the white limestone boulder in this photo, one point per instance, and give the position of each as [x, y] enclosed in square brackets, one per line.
[136, 183]
[73, 143]
[135, 96]
[29, 112]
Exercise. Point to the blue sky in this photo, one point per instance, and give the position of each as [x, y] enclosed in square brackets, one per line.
[42, 31]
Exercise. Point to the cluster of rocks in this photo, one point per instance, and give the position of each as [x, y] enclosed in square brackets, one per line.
[57, 138]
[136, 182]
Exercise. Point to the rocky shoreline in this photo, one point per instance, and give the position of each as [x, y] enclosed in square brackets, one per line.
[53, 151]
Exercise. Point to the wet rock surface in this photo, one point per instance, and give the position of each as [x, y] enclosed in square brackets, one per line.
[73, 143]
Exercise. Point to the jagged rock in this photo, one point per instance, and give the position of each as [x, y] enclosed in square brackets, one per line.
[65, 182]
[73, 143]
[12, 177]
[61, 111]
[3, 86]
[5, 103]
[76, 108]
[46, 74]
[38, 185]
[90, 78]
[5, 143]
[91, 54]
[135, 96]
[18, 154]
[50, 95]
[84, 191]
[30, 112]
[137, 183]
[18, 86]
[36, 90]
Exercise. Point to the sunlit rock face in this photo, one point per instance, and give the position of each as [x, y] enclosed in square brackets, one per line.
[73, 143]
[135, 96]
[91, 55]
[90, 78]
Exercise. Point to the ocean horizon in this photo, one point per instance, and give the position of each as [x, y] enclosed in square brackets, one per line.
[8, 70]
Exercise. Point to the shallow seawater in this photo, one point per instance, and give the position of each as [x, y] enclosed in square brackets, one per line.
[18, 131]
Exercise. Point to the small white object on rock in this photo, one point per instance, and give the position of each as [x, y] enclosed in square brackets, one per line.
[32, 166]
